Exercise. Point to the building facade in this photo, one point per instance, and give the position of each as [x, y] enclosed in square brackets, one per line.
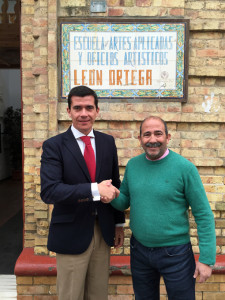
[197, 127]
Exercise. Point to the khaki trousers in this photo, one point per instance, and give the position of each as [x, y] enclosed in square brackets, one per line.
[85, 276]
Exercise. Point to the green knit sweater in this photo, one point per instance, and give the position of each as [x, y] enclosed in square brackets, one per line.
[159, 194]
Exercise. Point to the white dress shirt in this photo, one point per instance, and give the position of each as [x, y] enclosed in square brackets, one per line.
[77, 134]
[94, 186]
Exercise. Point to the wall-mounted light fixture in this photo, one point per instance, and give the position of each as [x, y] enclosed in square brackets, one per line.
[98, 6]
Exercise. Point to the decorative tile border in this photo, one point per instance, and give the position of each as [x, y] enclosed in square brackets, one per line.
[79, 40]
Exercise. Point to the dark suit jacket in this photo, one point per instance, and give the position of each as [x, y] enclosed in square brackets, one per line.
[66, 183]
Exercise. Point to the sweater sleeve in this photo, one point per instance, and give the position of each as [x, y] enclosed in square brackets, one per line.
[123, 201]
[196, 196]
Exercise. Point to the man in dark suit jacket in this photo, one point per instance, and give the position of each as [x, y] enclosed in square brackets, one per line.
[83, 227]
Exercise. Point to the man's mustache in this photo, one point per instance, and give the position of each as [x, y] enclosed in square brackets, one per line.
[153, 145]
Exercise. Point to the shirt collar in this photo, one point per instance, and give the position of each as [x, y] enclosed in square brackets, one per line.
[164, 155]
[77, 134]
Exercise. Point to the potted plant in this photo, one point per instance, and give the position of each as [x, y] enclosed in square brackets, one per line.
[12, 137]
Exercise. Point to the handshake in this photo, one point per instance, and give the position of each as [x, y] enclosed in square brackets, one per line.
[107, 191]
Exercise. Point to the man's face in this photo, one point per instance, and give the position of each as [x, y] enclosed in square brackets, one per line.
[83, 113]
[153, 138]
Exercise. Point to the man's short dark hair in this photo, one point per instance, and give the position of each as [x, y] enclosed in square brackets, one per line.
[157, 118]
[82, 91]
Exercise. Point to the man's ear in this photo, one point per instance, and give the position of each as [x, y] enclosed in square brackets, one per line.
[168, 138]
[68, 111]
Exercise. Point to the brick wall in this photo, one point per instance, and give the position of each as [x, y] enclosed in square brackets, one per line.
[197, 127]
[120, 288]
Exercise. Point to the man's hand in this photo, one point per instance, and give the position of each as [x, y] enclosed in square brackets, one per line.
[107, 191]
[119, 237]
[202, 270]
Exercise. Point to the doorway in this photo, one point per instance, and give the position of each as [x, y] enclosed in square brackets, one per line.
[11, 187]
[11, 202]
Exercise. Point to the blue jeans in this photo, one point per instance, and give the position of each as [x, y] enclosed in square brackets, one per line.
[176, 264]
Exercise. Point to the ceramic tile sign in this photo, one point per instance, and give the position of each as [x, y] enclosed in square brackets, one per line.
[126, 60]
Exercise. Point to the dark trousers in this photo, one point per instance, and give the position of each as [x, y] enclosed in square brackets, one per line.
[176, 264]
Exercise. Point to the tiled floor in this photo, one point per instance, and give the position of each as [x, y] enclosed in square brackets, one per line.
[8, 287]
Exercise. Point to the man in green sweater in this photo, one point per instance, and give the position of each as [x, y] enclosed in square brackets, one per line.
[159, 186]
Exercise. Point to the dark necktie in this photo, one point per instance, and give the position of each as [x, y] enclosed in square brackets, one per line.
[89, 157]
